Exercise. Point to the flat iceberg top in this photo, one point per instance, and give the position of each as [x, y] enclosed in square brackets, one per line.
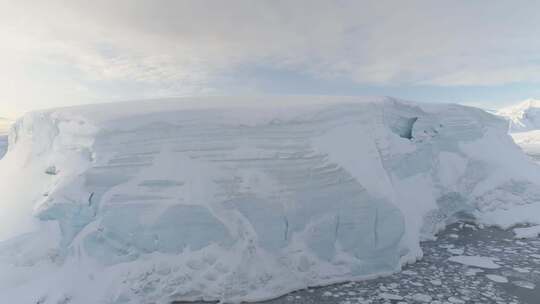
[242, 199]
[265, 107]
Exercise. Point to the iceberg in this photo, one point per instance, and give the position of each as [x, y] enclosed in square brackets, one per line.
[242, 199]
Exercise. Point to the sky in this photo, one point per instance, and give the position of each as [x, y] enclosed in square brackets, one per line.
[60, 53]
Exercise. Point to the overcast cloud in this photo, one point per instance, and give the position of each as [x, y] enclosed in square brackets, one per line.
[56, 53]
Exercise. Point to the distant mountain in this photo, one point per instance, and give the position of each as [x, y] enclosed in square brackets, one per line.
[522, 117]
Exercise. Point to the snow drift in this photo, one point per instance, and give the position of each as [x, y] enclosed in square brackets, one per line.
[242, 199]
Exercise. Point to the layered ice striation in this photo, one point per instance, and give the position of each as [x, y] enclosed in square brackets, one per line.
[240, 199]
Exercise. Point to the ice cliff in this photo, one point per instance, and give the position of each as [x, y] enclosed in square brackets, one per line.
[242, 199]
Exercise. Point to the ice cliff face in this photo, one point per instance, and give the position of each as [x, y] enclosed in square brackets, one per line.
[240, 199]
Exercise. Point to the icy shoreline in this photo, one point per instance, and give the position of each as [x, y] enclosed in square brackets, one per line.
[189, 199]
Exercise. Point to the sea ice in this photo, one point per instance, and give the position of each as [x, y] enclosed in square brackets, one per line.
[475, 261]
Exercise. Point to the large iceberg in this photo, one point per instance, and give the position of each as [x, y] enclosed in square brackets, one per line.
[242, 199]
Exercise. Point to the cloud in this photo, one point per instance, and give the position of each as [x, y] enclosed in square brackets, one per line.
[194, 47]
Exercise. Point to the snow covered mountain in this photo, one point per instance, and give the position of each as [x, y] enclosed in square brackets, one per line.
[522, 117]
[524, 125]
[242, 199]
[4, 128]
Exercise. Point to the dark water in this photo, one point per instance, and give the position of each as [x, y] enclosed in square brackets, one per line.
[437, 280]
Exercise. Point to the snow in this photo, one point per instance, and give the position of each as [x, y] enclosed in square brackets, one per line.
[524, 125]
[241, 199]
[475, 261]
[527, 233]
[521, 117]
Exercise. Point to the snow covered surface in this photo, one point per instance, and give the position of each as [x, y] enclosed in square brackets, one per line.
[242, 199]
[476, 261]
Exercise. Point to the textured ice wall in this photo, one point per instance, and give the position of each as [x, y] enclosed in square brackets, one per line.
[171, 201]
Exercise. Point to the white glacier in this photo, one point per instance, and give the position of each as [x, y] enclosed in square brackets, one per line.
[241, 199]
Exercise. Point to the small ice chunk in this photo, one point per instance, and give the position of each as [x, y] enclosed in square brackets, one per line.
[456, 251]
[524, 284]
[522, 270]
[420, 297]
[455, 300]
[409, 272]
[389, 296]
[527, 233]
[472, 271]
[497, 278]
[476, 261]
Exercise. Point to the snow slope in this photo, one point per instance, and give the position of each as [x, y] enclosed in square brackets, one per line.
[241, 199]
